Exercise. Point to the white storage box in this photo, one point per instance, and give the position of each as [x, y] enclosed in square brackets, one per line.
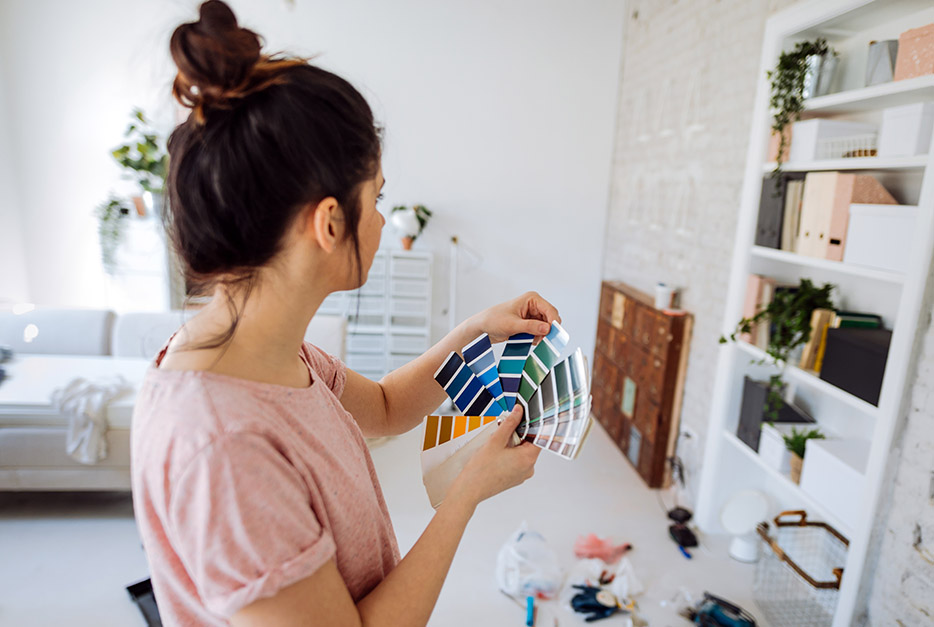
[880, 236]
[906, 130]
[834, 475]
[807, 134]
[772, 447]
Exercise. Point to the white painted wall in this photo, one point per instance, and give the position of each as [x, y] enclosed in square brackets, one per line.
[499, 116]
[13, 281]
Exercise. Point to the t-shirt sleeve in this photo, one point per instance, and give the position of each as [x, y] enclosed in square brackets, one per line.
[243, 524]
[331, 369]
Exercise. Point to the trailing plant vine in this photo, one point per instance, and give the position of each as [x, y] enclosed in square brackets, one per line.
[787, 81]
[111, 216]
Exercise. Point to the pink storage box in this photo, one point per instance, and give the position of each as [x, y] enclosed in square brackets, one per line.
[915, 53]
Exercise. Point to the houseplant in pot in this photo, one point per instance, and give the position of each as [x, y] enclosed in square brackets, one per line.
[796, 442]
[801, 73]
[789, 319]
[143, 154]
[409, 222]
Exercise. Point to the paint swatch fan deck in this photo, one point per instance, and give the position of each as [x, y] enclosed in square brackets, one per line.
[554, 395]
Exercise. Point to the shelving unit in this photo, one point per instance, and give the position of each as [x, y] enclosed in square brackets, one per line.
[730, 465]
[389, 317]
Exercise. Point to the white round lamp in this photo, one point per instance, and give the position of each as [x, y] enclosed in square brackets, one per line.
[739, 517]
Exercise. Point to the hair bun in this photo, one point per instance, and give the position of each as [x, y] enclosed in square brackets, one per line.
[215, 59]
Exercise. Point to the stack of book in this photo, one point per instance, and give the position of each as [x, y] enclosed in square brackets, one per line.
[812, 358]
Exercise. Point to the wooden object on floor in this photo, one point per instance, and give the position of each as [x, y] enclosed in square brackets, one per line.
[638, 377]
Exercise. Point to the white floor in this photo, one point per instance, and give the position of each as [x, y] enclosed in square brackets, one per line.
[65, 559]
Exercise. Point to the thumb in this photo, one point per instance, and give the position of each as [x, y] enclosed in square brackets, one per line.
[508, 425]
[536, 327]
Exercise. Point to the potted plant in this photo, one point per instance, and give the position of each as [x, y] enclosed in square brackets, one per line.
[144, 156]
[796, 442]
[111, 217]
[789, 318]
[801, 73]
[410, 222]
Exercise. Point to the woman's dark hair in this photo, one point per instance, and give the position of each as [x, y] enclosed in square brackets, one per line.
[267, 135]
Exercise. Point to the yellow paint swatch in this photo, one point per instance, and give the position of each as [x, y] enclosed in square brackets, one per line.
[460, 426]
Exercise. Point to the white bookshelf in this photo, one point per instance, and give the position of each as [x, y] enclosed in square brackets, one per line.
[730, 465]
[389, 318]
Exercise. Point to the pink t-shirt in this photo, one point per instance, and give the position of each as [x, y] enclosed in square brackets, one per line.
[243, 488]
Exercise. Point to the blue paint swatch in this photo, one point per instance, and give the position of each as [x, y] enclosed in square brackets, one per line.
[511, 364]
[479, 357]
[468, 393]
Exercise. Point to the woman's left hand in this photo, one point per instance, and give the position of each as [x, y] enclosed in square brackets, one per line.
[529, 313]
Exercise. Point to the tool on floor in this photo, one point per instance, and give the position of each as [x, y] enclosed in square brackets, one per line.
[598, 603]
[713, 611]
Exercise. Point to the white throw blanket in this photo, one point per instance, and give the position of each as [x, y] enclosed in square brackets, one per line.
[85, 404]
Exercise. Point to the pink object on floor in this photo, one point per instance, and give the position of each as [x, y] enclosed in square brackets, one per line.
[591, 546]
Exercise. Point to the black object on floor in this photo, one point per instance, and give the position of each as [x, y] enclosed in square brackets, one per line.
[142, 595]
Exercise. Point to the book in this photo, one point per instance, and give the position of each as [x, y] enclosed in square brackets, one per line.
[854, 320]
[820, 320]
[791, 218]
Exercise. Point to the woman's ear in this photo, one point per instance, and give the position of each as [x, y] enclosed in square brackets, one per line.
[325, 224]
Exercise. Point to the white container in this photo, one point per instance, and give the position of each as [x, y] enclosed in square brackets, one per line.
[807, 134]
[906, 130]
[772, 447]
[880, 236]
[834, 475]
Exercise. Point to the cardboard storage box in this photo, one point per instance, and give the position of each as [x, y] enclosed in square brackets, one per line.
[806, 135]
[915, 53]
[880, 236]
[834, 475]
[906, 130]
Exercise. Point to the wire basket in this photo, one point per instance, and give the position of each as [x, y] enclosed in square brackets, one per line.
[847, 147]
[798, 576]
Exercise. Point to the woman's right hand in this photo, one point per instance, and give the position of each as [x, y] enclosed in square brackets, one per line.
[497, 465]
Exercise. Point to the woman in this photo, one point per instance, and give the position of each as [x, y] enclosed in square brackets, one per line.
[255, 494]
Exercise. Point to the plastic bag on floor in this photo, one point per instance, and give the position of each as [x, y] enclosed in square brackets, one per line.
[526, 566]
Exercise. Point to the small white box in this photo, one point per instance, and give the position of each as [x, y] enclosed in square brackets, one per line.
[772, 447]
[806, 135]
[880, 236]
[906, 130]
[834, 475]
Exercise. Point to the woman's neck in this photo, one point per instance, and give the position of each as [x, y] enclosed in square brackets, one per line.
[271, 320]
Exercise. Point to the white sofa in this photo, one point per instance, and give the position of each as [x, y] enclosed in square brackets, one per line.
[52, 347]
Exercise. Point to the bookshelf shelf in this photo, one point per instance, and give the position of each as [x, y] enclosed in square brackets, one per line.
[856, 163]
[892, 94]
[813, 381]
[801, 261]
[897, 297]
[784, 483]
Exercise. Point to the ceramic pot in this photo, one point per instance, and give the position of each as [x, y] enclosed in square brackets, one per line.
[796, 463]
[407, 243]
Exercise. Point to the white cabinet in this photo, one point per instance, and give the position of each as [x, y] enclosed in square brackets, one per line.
[389, 318]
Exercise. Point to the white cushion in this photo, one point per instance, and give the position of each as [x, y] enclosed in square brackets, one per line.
[329, 333]
[143, 334]
[58, 331]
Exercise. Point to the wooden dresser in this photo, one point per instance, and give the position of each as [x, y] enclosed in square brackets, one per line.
[638, 377]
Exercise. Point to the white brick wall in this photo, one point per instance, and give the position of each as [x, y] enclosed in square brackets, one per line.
[902, 560]
[686, 97]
